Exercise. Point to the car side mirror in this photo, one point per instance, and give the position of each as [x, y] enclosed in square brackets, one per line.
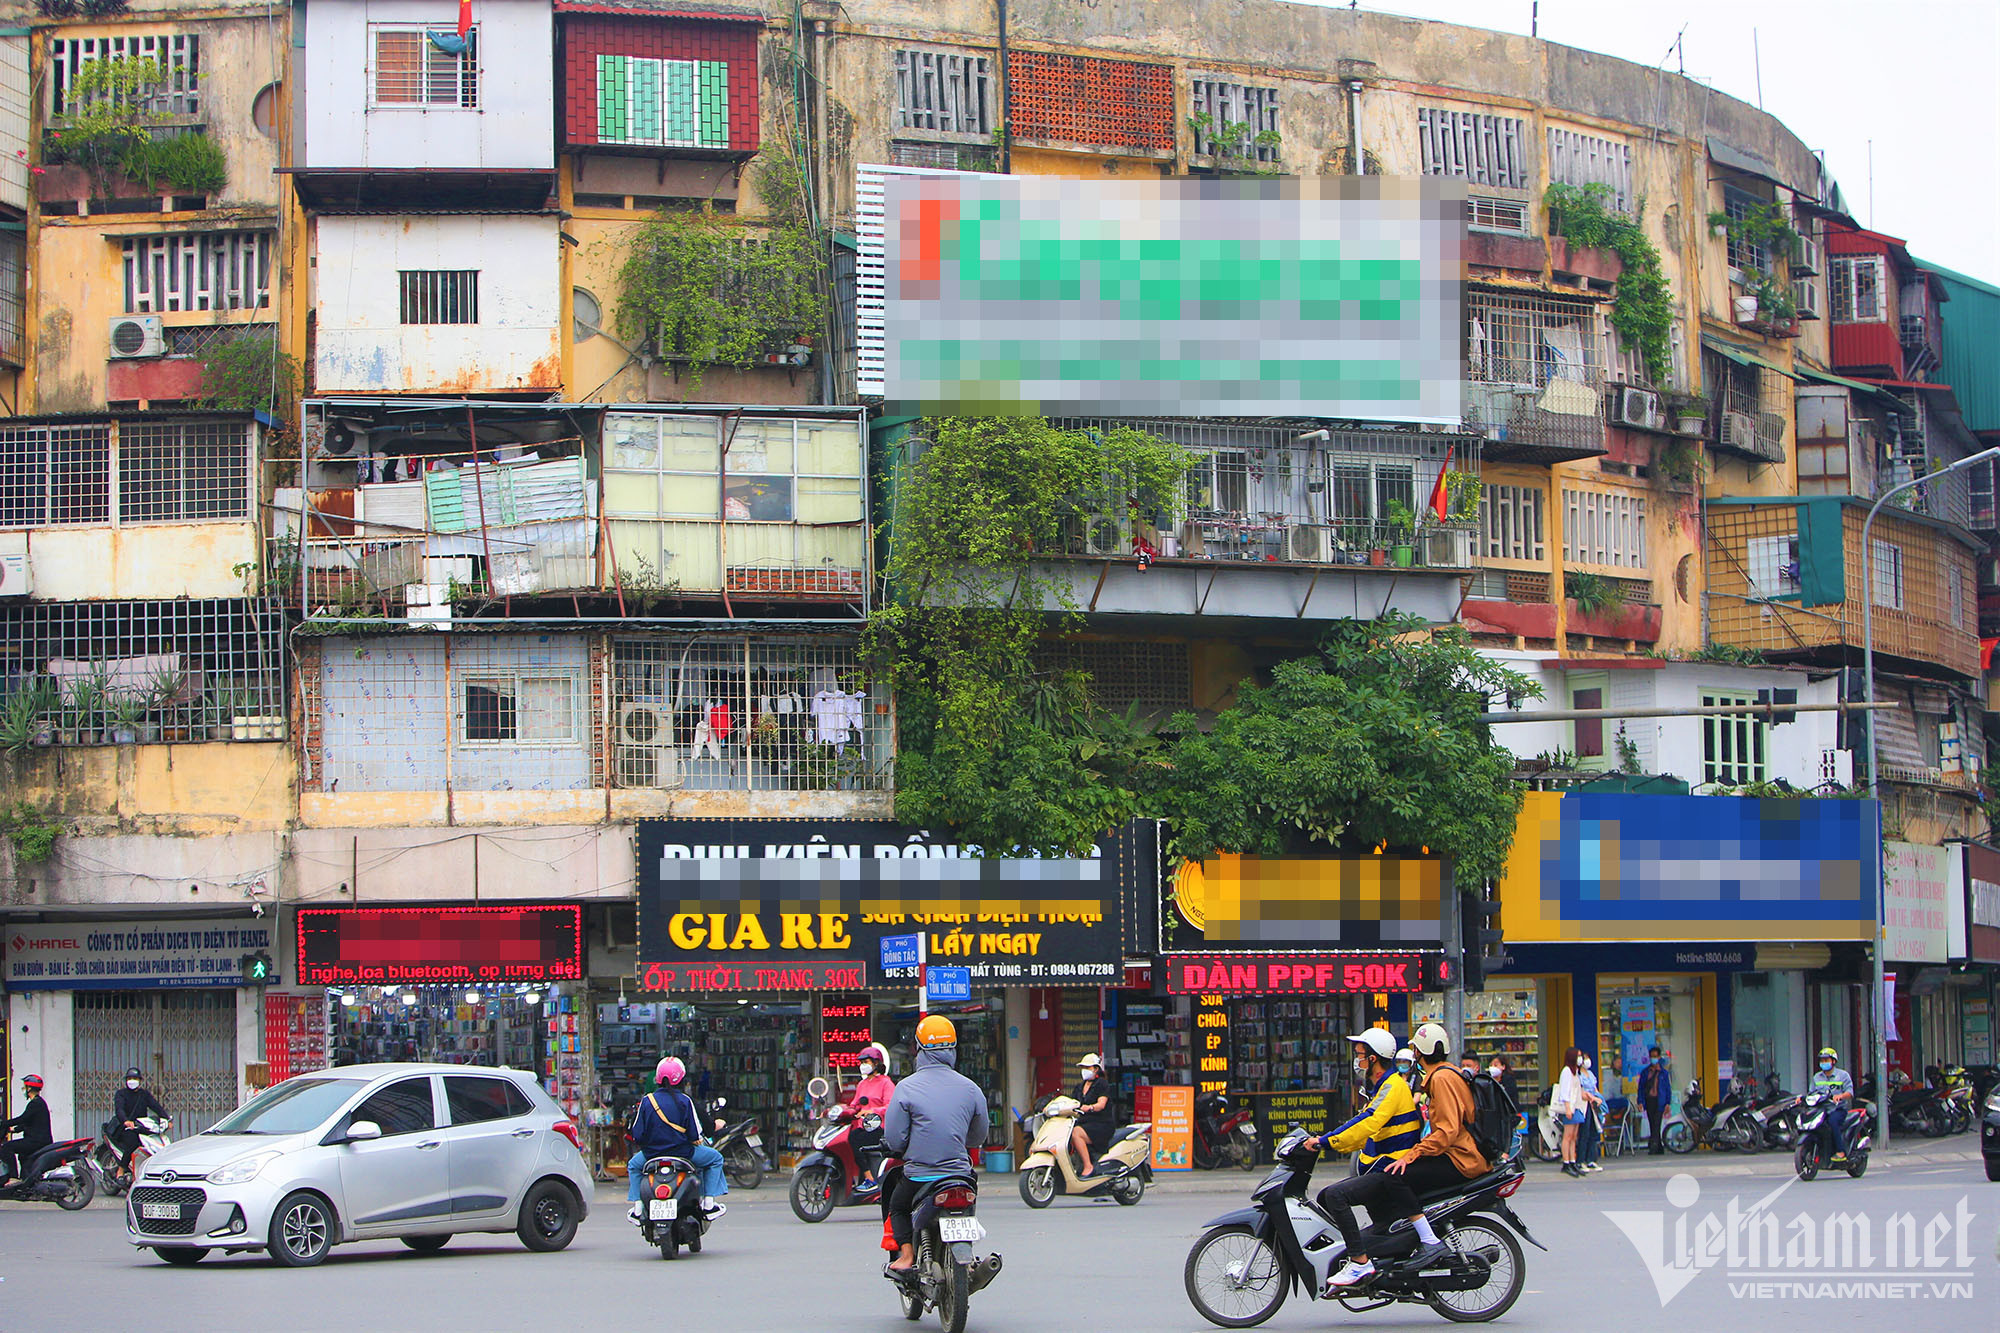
[361, 1131]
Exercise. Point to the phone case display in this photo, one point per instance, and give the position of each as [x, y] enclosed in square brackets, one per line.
[294, 1035]
[1177, 1041]
[567, 1038]
[1142, 1044]
[762, 1062]
[1506, 1022]
[1286, 1045]
[627, 1055]
[441, 1027]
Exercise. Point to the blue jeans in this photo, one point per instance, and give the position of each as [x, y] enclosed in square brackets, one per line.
[714, 1184]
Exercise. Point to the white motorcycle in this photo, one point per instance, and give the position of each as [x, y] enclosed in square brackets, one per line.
[114, 1179]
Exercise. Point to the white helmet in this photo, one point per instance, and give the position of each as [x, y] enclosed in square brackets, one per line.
[1407, 1054]
[1431, 1041]
[1377, 1040]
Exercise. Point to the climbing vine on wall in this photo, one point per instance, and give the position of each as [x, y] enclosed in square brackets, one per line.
[1642, 310]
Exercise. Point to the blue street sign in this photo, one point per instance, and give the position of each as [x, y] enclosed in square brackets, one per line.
[899, 951]
[949, 983]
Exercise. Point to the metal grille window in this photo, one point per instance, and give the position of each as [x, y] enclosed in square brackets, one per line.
[439, 296]
[1585, 159]
[740, 714]
[210, 669]
[178, 54]
[1532, 341]
[1508, 215]
[1733, 750]
[943, 156]
[1244, 111]
[1854, 289]
[1152, 675]
[10, 297]
[1606, 528]
[520, 709]
[1510, 519]
[55, 476]
[1482, 149]
[1885, 575]
[1744, 256]
[945, 92]
[197, 339]
[228, 270]
[413, 66]
[1772, 564]
[171, 471]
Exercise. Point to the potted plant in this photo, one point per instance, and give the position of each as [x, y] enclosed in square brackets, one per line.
[221, 707]
[24, 719]
[1403, 529]
[1690, 413]
[1463, 493]
[166, 694]
[82, 702]
[124, 710]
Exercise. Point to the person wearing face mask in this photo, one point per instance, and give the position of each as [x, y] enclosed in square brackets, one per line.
[1830, 1080]
[1388, 1123]
[871, 1098]
[1094, 1120]
[1590, 1139]
[1502, 1070]
[133, 1100]
[1655, 1089]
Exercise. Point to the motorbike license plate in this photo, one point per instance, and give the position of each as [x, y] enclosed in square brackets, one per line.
[165, 1212]
[953, 1229]
[1759, 1117]
[754, 1140]
[662, 1210]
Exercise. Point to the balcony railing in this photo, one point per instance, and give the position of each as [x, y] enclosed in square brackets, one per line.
[1533, 389]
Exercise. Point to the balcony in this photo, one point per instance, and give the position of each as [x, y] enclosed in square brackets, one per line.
[1534, 388]
[1785, 578]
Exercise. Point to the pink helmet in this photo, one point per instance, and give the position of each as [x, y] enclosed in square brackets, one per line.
[875, 1053]
[670, 1070]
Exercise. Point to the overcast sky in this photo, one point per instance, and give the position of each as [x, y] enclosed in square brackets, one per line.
[1921, 78]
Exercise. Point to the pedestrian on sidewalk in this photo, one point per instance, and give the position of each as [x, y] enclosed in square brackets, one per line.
[1655, 1090]
[1570, 1109]
[1590, 1141]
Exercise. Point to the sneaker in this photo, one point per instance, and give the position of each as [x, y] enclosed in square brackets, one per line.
[1351, 1274]
[634, 1214]
[713, 1209]
[1427, 1255]
[1593, 1166]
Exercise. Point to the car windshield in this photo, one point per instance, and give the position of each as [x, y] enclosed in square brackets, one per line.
[292, 1107]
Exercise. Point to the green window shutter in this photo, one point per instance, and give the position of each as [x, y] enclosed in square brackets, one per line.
[713, 76]
[682, 112]
[445, 499]
[613, 80]
[645, 101]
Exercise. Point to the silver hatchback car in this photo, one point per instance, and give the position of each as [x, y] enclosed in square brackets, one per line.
[410, 1152]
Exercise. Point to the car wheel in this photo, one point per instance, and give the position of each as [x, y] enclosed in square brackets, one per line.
[1993, 1168]
[548, 1217]
[426, 1244]
[302, 1230]
[181, 1256]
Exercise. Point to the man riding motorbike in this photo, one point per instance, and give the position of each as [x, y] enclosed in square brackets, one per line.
[665, 1123]
[936, 1118]
[1443, 1158]
[134, 1100]
[1389, 1123]
[1830, 1080]
[871, 1097]
[33, 1124]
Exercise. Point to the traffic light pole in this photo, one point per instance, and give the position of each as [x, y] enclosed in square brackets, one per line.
[1454, 986]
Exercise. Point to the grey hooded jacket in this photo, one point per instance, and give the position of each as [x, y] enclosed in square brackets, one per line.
[935, 1118]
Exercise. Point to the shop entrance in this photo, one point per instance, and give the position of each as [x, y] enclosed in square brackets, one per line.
[1635, 1014]
[184, 1040]
[1768, 1013]
[1508, 1018]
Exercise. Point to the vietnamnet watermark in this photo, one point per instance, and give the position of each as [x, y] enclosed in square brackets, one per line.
[1763, 1253]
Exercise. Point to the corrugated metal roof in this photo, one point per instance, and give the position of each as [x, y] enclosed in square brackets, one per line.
[1972, 346]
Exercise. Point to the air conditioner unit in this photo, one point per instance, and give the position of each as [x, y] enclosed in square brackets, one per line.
[1808, 259]
[646, 725]
[1771, 430]
[1106, 536]
[1638, 408]
[1805, 295]
[134, 336]
[1306, 544]
[17, 576]
[1739, 431]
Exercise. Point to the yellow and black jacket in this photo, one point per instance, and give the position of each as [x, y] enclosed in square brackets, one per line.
[1386, 1127]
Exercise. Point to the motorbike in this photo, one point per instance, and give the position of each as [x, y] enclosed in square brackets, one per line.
[1049, 1169]
[830, 1176]
[945, 1226]
[1222, 1135]
[742, 1147]
[1913, 1109]
[62, 1176]
[114, 1180]
[1780, 1110]
[1691, 1129]
[1545, 1139]
[1954, 1092]
[673, 1215]
[1736, 1122]
[1246, 1262]
[1815, 1150]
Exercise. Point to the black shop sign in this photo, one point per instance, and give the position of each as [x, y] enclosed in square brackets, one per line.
[730, 904]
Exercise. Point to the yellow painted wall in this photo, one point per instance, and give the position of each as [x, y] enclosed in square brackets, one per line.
[163, 560]
[588, 806]
[186, 789]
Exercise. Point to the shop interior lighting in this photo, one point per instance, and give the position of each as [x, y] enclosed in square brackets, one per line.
[409, 997]
[347, 1000]
[472, 997]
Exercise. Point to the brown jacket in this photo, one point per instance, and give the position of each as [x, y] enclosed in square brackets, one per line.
[1451, 1114]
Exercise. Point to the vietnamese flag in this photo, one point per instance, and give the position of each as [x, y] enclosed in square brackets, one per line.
[1438, 501]
[464, 17]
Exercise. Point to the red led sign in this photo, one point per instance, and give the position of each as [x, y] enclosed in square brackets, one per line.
[771, 974]
[1300, 974]
[439, 946]
[843, 1029]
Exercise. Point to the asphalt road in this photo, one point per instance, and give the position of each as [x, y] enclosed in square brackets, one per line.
[1082, 1265]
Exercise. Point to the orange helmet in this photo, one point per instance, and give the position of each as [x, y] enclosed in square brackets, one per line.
[936, 1030]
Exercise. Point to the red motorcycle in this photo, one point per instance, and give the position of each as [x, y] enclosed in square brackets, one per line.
[1223, 1137]
[829, 1176]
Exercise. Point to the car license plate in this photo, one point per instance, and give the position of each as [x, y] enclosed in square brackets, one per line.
[166, 1212]
[663, 1210]
[952, 1229]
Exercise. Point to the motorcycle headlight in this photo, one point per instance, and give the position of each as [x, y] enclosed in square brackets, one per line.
[243, 1169]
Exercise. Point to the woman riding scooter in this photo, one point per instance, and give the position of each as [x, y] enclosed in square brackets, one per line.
[1093, 1117]
[871, 1098]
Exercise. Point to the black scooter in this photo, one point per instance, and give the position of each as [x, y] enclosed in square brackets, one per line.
[61, 1176]
[742, 1147]
[1242, 1268]
[671, 1214]
[1815, 1152]
[1913, 1108]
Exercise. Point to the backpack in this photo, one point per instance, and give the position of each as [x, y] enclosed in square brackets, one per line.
[1495, 1117]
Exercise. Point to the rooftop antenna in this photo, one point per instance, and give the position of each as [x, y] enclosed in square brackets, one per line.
[1757, 63]
[1535, 18]
[1871, 185]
